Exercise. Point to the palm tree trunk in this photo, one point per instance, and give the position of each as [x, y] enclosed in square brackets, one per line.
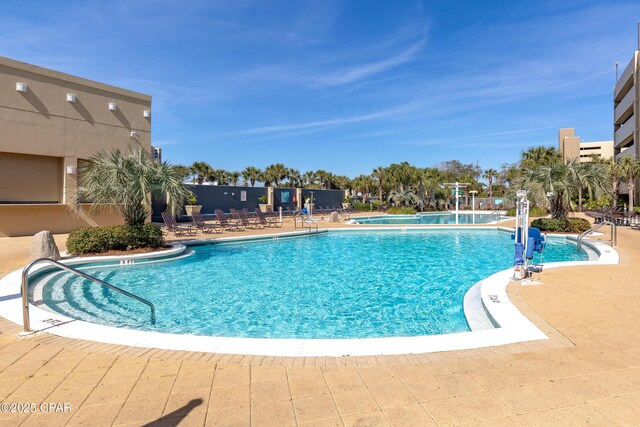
[580, 198]
[630, 187]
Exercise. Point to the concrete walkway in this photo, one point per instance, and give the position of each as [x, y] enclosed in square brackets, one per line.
[588, 372]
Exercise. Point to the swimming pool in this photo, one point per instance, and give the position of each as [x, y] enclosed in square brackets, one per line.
[424, 218]
[342, 284]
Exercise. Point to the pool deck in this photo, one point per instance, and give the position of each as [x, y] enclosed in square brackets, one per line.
[587, 372]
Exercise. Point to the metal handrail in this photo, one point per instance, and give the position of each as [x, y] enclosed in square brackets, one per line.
[25, 287]
[302, 219]
[614, 232]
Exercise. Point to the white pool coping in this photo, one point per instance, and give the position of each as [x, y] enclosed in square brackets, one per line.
[513, 326]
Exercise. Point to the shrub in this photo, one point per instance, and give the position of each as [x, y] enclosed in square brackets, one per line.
[116, 237]
[401, 211]
[532, 212]
[569, 225]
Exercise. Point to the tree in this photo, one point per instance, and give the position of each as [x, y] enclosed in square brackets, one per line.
[251, 174]
[202, 170]
[629, 170]
[309, 179]
[295, 179]
[125, 183]
[539, 156]
[274, 174]
[489, 175]
[380, 174]
[183, 171]
[365, 185]
[403, 197]
[234, 177]
[562, 182]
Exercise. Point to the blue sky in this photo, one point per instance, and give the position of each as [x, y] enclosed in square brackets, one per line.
[342, 85]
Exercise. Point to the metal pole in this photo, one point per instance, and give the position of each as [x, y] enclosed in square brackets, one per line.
[457, 203]
[26, 324]
[280, 209]
[473, 206]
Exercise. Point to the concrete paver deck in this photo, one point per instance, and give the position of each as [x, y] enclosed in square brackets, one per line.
[588, 372]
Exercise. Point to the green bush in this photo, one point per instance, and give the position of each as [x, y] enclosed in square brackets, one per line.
[532, 211]
[569, 225]
[401, 211]
[114, 238]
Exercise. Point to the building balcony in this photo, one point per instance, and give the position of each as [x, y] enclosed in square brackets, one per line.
[625, 82]
[625, 134]
[626, 152]
[624, 109]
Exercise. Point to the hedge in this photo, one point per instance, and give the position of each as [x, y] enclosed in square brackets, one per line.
[401, 211]
[569, 225]
[532, 212]
[114, 238]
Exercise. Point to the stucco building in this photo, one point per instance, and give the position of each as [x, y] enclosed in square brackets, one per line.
[571, 147]
[626, 108]
[49, 123]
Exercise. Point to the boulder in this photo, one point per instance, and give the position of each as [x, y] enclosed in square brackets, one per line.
[333, 217]
[43, 246]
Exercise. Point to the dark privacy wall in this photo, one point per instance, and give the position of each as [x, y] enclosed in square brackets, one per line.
[225, 197]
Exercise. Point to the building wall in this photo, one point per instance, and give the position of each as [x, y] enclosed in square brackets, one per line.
[44, 136]
[570, 147]
[626, 115]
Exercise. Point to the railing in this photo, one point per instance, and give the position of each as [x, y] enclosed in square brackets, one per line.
[25, 287]
[614, 232]
[303, 218]
[497, 215]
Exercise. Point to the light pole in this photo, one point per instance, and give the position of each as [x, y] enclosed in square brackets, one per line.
[457, 186]
[473, 204]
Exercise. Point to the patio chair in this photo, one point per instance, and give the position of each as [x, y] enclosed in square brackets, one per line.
[228, 224]
[172, 226]
[241, 217]
[198, 220]
[267, 221]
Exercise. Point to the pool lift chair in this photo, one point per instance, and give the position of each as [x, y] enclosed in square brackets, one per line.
[528, 240]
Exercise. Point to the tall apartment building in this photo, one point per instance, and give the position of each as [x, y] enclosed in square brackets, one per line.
[571, 147]
[626, 109]
[49, 123]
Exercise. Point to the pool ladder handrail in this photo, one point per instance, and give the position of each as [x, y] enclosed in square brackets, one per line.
[613, 235]
[25, 287]
[497, 214]
[303, 217]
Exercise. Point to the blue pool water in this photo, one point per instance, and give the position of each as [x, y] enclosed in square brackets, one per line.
[349, 284]
[430, 218]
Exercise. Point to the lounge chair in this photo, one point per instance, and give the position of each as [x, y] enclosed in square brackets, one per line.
[228, 224]
[242, 217]
[173, 226]
[270, 212]
[198, 220]
[267, 221]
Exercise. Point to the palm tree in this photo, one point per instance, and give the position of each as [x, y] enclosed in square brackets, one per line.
[365, 185]
[182, 171]
[309, 179]
[380, 174]
[489, 175]
[403, 197]
[202, 170]
[295, 179]
[251, 174]
[275, 174]
[629, 170]
[125, 183]
[563, 181]
[234, 177]
[539, 156]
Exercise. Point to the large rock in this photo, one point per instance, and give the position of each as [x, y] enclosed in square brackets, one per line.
[333, 217]
[44, 246]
